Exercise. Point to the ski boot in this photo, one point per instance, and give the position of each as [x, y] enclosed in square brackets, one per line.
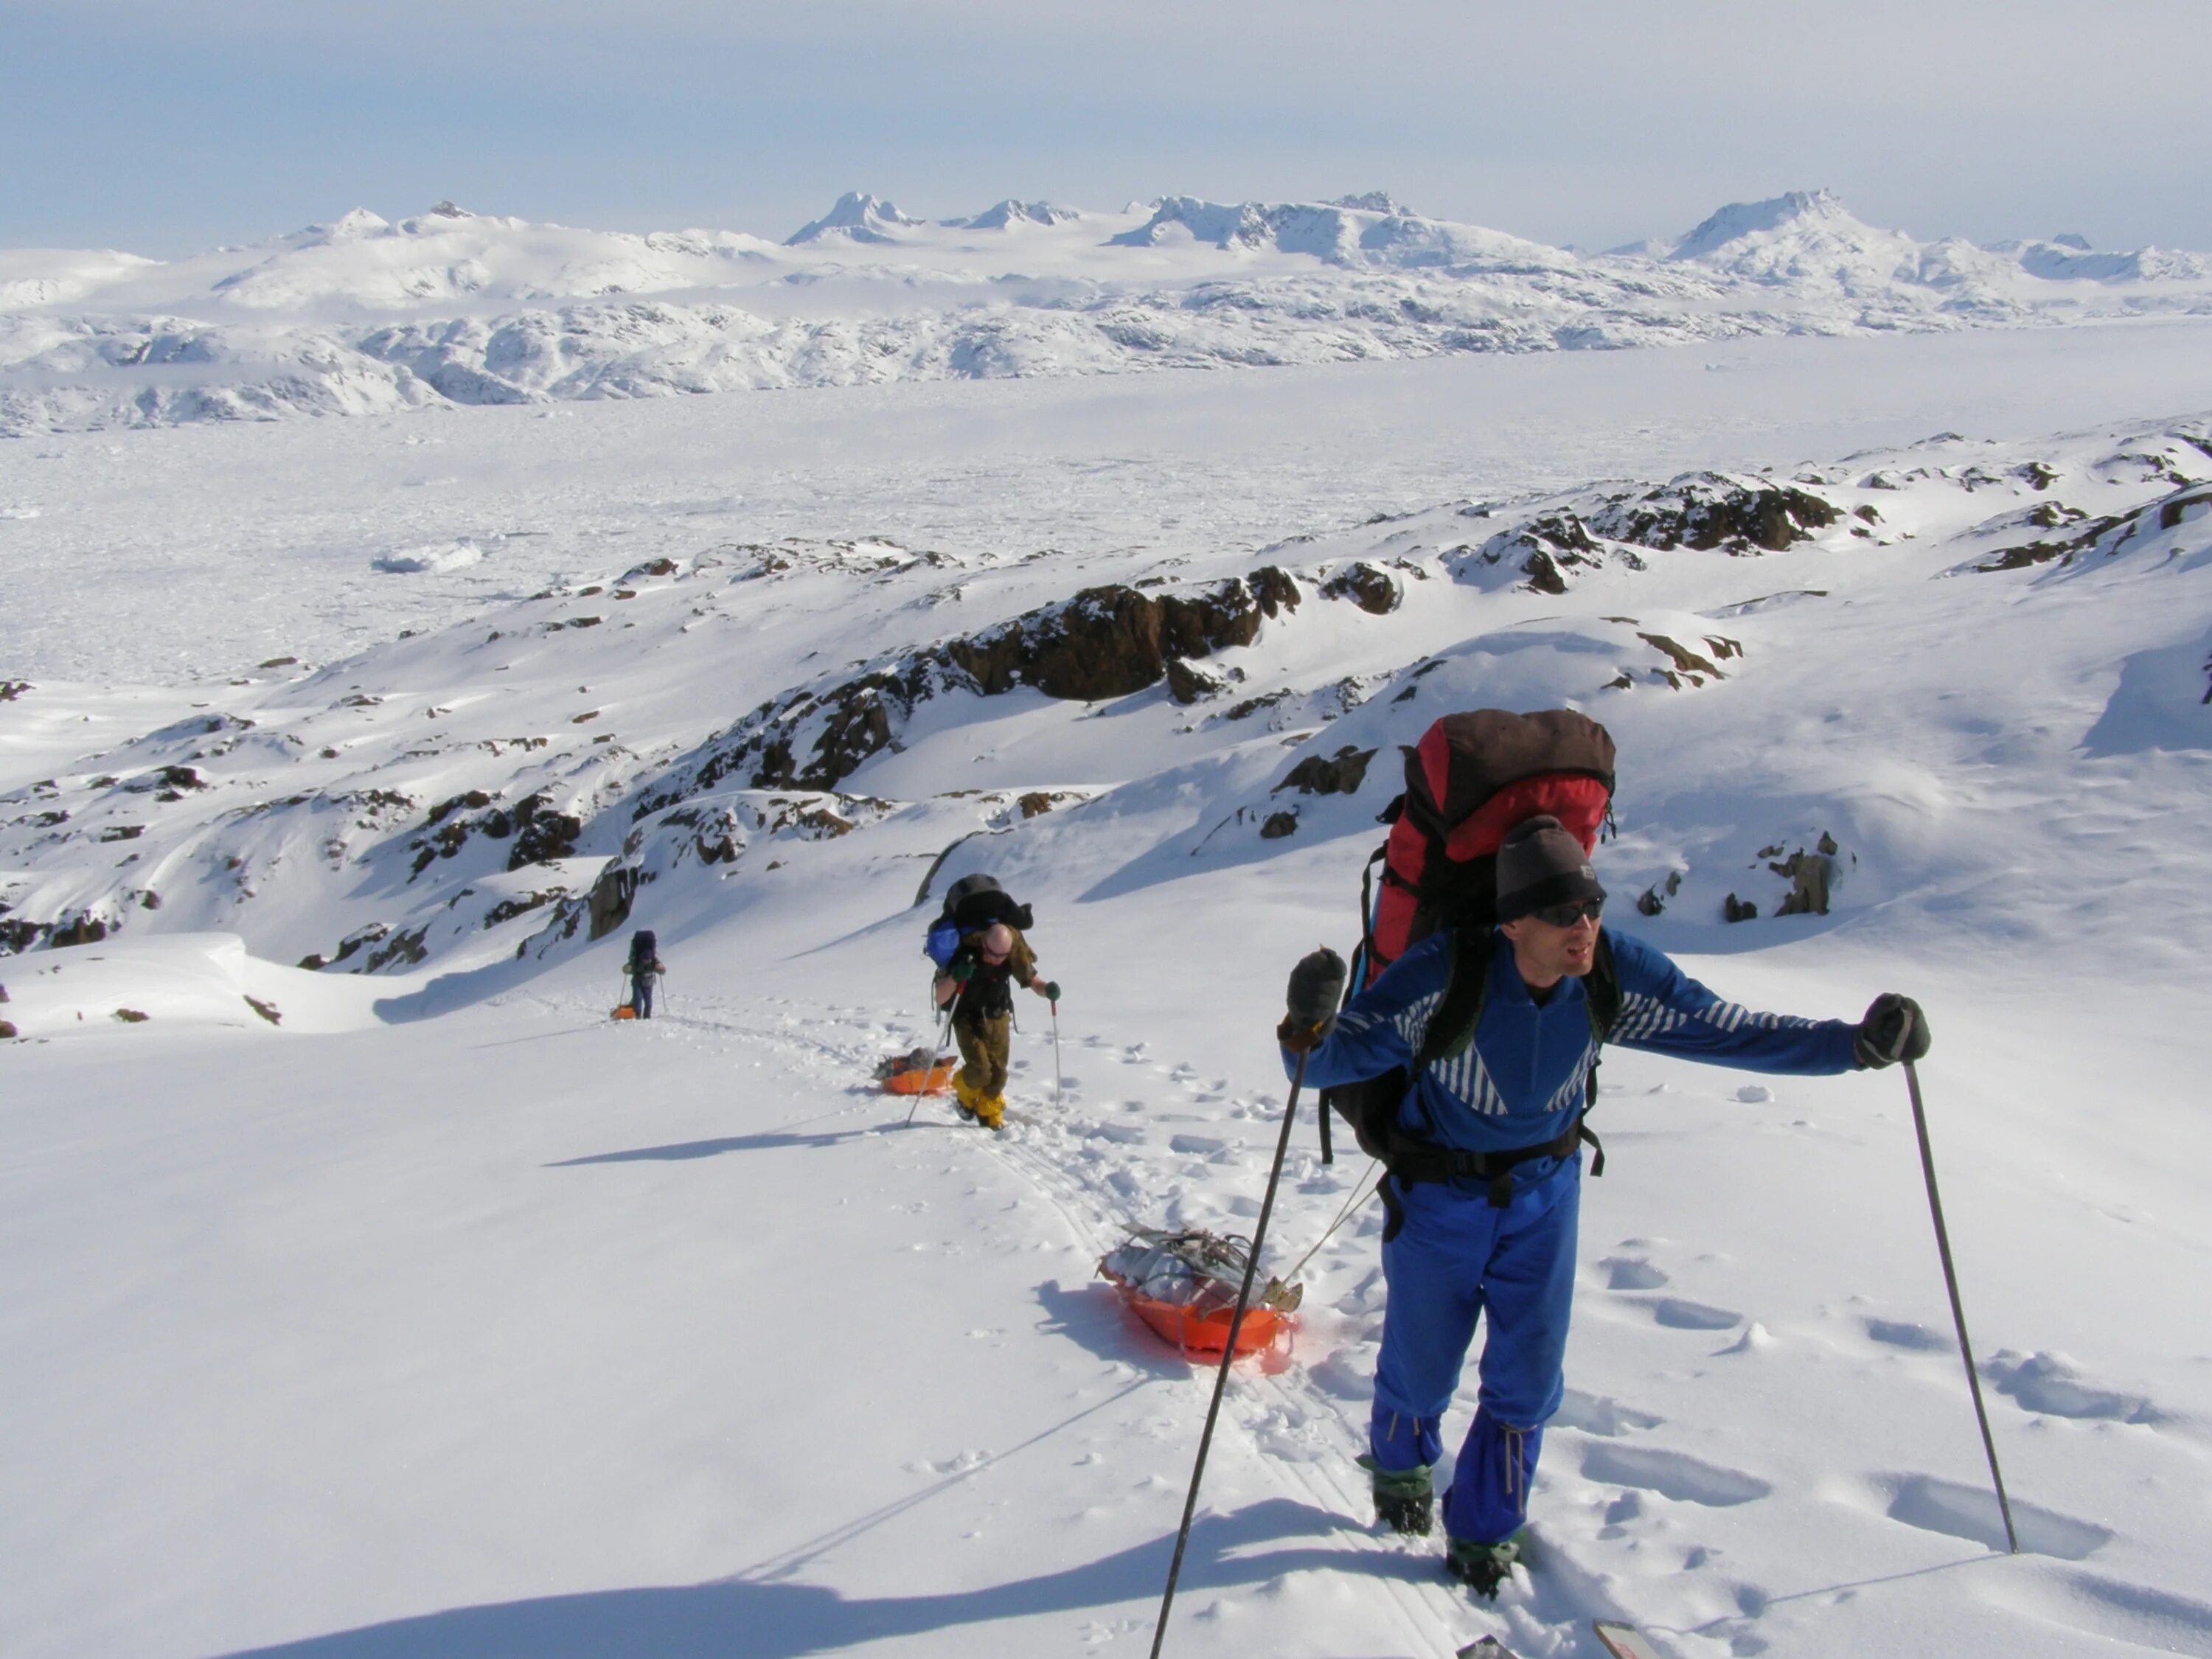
[991, 1111]
[1404, 1500]
[964, 1097]
[1483, 1568]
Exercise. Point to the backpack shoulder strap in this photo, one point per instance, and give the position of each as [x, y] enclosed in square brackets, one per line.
[1601, 990]
[1467, 991]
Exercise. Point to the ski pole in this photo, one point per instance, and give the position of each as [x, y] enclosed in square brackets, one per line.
[1356, 977]
[944, 1036]
[1958, 1308]
[1057, 1087]
[1228, 1352]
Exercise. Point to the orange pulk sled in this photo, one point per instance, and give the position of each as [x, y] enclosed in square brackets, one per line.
[919, 1072]
[1183, 1286]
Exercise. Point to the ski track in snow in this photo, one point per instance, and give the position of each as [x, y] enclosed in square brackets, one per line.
[1617, 1533]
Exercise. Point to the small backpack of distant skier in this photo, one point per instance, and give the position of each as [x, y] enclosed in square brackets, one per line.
[1472, 777]
[644, 952]
[971, 903]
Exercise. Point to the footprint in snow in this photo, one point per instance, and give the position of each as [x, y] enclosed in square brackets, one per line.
[1679, 1315]
[1671, 1474]
[1904, 1334]
[1595, 1413]
[961, 1464]
[1632, 1272]
[1972, 1513]
[2153, 1619]
[2053, 1384]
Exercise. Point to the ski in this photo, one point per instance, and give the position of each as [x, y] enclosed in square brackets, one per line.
[1488, 1647]
[1624, 1641]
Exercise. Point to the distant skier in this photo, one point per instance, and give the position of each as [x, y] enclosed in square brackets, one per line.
[978, 984]
[1499, 1031]
[644, 966]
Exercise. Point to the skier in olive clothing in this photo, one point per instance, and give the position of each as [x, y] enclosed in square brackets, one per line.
[978, 982]
[1498, 1031]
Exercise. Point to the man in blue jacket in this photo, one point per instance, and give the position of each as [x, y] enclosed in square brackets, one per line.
[1499, 1034]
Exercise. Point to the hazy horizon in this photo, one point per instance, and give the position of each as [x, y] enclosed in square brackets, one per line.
[1591, 128]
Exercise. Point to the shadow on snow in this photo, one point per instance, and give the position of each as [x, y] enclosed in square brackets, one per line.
[770, 1617]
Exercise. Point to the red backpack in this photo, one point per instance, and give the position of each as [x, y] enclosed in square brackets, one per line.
[1470, 778]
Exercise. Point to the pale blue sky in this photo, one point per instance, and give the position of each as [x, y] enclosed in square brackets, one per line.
[166, 126]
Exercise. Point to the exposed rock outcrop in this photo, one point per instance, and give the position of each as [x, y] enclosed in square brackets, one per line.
[1339, 774]
[1106, 642]
[1373, 590]
[1653, 899]
[1545, 550]
[1709, 510]
[612, 896]
[1187, 685]
[542, 834]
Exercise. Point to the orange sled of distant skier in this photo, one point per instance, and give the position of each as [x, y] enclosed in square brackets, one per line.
[921, 1073]
[1184, 1286]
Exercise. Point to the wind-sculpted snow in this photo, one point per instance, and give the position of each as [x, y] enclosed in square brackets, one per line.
[449, 307]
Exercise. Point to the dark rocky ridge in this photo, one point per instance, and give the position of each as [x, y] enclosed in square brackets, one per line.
[1103, 643]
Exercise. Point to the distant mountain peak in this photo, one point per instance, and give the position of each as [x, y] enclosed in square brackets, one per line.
[1739, 220]
[1376, 201]
[349, 226]
[1004, 214]
[858, 215]
[1369, 230]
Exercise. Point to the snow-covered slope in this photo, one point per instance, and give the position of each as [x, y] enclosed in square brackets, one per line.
[429, 795]
[405, 1304]
[449, 306]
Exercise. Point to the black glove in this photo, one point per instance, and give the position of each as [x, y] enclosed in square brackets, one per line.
[962, 969]
[1052, 990]
[1316, 989]
[1894, 1029]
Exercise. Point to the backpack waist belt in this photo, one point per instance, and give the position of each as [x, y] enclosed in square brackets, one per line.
[1411, 1160]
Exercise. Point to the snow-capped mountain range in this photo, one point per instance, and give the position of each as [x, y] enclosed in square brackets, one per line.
[453, 307]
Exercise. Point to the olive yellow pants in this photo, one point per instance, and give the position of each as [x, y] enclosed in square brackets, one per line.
[984, 1044]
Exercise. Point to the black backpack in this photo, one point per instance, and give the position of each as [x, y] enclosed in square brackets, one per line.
[971, 903]
[644, 951]
[977, 901]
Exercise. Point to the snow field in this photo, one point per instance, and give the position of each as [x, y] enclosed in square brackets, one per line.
[446, 1317]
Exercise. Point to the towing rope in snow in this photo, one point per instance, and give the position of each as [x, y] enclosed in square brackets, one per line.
[1343, 1215]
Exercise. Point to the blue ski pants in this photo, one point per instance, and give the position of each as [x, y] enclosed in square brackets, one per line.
[1455, 1258]
[641, 994]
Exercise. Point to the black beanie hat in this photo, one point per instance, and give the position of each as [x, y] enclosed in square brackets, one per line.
[1541, 864]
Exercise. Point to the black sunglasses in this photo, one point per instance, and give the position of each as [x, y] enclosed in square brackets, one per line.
[1566, 915]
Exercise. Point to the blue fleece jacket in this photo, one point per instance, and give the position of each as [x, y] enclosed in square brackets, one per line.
[1522, 1080]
